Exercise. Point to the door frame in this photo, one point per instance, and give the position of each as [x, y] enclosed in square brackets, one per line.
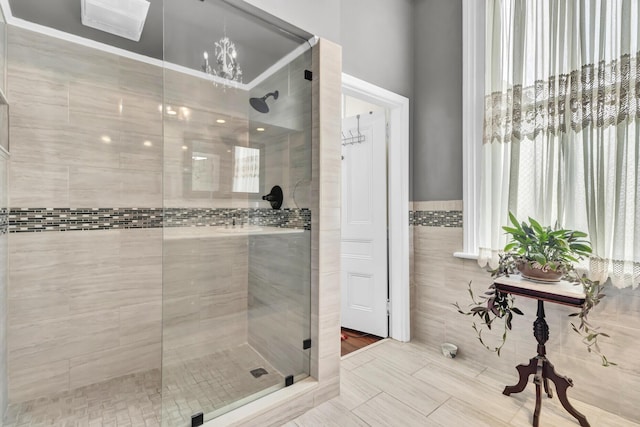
[397, 201]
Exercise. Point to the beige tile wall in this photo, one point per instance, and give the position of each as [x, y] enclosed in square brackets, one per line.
[439, 279]
[204, 297]
[279, 299]
[83, 306]
[3, 290]
[78, 303]
[284, 141]
[325, 219]
[65, 99]
[199, 103]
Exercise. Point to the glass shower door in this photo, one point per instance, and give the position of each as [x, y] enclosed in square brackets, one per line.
[236, 268]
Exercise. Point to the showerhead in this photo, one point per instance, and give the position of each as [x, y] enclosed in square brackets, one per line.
[260, 104]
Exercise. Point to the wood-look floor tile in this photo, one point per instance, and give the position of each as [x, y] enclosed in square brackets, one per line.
[471, 391]
[418, 394]
[385, 410]
[470, 394]
[455, 412]
[354, 391]
[330, 414]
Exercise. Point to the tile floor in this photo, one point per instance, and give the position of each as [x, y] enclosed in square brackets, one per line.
[392, 384]
[388, 384]
[203, 385]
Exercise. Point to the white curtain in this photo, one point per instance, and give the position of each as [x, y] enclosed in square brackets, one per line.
[562, 126]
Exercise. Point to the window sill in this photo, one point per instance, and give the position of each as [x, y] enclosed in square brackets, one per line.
[465, 255]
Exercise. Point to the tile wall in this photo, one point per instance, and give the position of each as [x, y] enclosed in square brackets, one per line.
[439, 279]
[86, 140]
[279, 299]
[201, 314]
[3, 280]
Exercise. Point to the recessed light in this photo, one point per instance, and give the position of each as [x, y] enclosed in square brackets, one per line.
[147, 143]
[105, 138]
[260, 129]
[221, 121]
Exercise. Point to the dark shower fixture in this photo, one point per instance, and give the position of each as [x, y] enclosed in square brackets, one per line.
[260, 104]
[275, 197]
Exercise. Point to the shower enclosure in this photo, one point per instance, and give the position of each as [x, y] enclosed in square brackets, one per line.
[150, 283]
[236, 272]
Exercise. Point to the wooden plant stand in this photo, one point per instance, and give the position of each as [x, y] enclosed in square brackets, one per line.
[539, 366]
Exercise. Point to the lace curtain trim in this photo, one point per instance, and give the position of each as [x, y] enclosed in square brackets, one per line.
[595, 96]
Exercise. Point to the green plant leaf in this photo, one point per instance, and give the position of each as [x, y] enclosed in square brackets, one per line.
[536, 226]
[513, 220]
[509, 247]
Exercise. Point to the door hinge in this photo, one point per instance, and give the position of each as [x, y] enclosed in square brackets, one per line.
[288, 380]
[306, 344]
[388, 307]
[308, 75]
[197, 419]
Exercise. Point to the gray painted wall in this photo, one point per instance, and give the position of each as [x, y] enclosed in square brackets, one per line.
[376, 35]
[437, 100]
[321, 18]
[377, 42]
[411, 47]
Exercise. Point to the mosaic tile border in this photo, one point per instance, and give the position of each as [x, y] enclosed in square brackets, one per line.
[24, 220]
[436, 218]
[207, 217]
[4, 221]
[33, 220]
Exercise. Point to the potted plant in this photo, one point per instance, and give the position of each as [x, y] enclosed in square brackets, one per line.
[540, 253]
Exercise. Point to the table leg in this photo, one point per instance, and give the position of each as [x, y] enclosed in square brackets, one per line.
[562, 383]
[547, 390]
[536, 412]
[524, 371]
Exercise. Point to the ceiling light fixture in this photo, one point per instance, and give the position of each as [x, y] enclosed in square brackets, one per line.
[260, 129]
[221, 121]
[124, 18]
[226, 63]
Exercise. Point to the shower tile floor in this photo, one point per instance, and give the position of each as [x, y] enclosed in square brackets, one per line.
[205, 384]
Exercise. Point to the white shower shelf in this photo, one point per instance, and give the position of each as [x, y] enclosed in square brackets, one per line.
[175, 233]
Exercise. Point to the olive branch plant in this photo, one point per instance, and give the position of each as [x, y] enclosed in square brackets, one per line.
[555, 249]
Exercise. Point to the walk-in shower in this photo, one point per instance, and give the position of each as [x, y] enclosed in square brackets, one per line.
[149, 282]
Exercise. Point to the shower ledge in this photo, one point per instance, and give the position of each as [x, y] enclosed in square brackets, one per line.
[176, 233]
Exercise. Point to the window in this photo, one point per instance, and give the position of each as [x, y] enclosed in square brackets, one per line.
[562, 127]
[246, 175]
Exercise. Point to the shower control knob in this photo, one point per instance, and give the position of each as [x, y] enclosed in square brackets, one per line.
[275, 197]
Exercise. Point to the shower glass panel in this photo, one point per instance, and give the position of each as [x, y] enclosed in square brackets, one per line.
[236, 271]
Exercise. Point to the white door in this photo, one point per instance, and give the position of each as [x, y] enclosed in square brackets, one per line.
[364, 225]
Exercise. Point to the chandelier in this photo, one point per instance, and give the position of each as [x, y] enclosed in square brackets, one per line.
[225, 61]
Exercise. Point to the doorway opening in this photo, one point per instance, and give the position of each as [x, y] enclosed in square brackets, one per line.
[375, 214]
